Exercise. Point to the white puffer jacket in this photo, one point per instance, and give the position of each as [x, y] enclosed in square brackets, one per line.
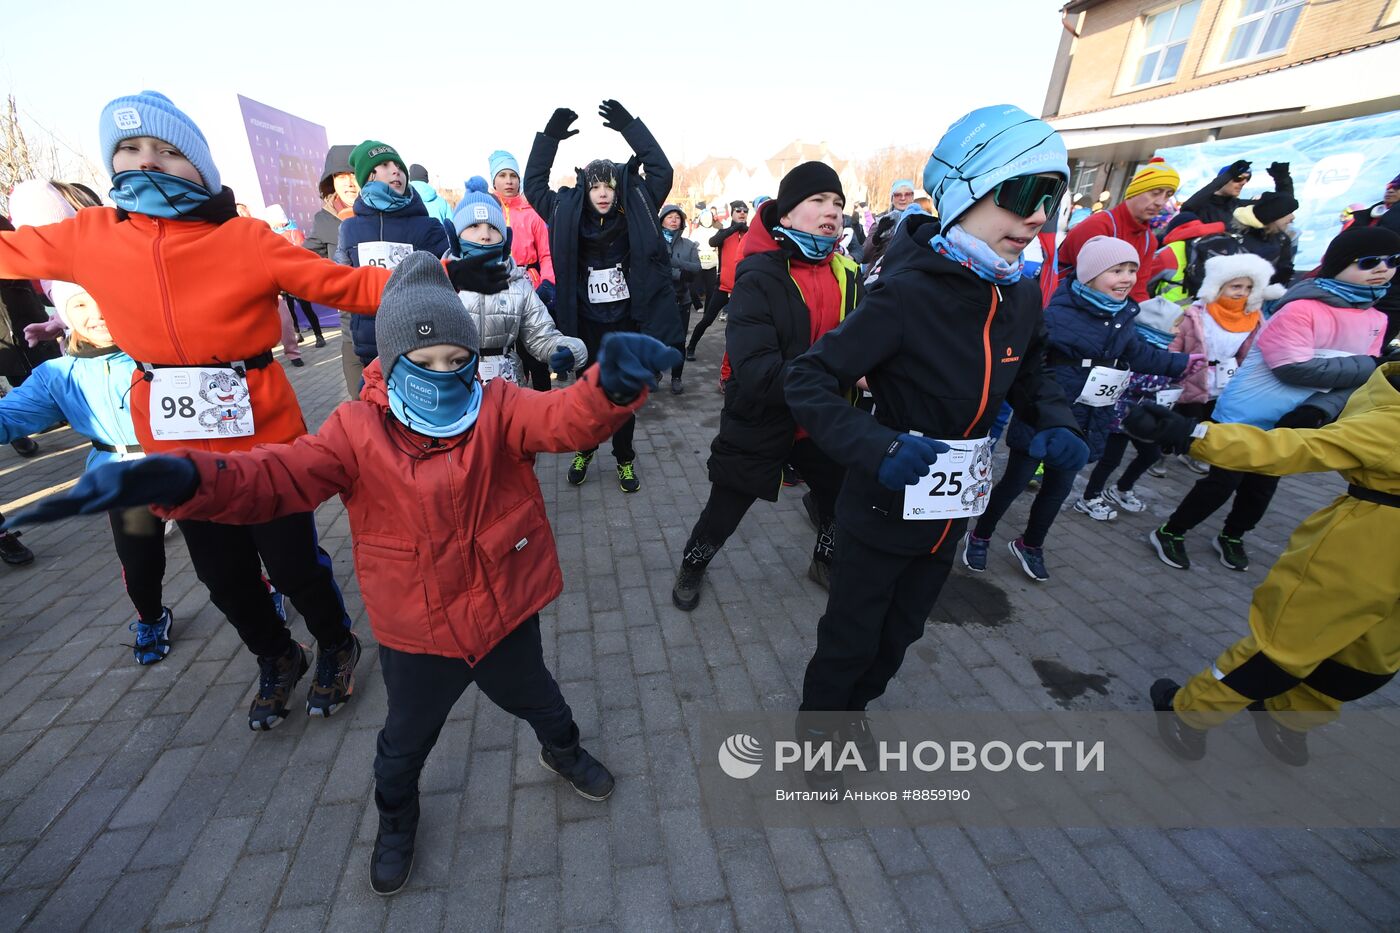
[518, 314]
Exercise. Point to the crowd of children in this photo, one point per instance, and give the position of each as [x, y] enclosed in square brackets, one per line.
[169, 374]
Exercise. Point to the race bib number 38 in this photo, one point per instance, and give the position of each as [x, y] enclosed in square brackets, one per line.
[1103, 386]
[959, 485]
[199, 403]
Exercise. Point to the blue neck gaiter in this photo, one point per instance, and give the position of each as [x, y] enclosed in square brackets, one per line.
[434, 403]
[157, 194]
[1097, 300]
[384, 199]
[670, 235]
[812, 245]
[965, 249]
[1357, 296]
[470, 249]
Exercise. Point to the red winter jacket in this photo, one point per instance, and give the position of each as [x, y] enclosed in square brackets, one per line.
[452, 546]
[1115, 223]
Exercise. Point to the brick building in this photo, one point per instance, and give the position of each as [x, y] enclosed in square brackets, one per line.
[1135, 76]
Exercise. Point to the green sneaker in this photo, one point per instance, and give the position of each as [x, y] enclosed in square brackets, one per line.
[627, 477]
[578, 470]
[1232, 552]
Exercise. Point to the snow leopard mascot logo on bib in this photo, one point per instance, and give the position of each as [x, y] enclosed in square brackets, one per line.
[227, 397]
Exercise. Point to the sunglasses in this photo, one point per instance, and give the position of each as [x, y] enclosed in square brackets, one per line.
[1026, 194]
[1367, 263]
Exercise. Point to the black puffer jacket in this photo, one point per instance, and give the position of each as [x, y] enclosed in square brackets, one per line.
[640, 196]
[941, 349]
[769, 327]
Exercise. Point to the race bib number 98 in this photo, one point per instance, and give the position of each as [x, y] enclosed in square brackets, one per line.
[959, 485]
[199, 403]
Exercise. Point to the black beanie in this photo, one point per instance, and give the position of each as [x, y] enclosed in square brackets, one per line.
[1353, 243]
[1273, 206]
[600, 170]
[805, 180]
[417, 172]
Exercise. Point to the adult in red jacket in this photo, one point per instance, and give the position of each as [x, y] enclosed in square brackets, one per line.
[1143, 200]
[730, 243]
[452, 545]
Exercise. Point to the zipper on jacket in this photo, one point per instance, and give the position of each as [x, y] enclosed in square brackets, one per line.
[986, 361]
[165, 290]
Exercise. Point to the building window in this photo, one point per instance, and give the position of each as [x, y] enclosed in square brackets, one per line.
[1263, 28]
[1164, 42]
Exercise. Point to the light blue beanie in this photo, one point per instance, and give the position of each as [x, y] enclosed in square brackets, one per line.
[501, 160]
[984, 149]
[477, 206]
[902, 183]
[151, 113]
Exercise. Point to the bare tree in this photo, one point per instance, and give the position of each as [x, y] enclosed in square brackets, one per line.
[887, 166]
[36, 152]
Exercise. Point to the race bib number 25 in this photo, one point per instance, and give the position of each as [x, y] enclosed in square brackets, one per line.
[959, 485]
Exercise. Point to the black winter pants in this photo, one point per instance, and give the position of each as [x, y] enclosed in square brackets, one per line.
[1055, 488]
[592, 334]
[878, 605]
[536, 371]
[140, 541]
[712, 309]
[423, 688]
[703, 286]
[1113, 450]
[726, 506]
[307, 311]
[1252, 493]
[226, 560]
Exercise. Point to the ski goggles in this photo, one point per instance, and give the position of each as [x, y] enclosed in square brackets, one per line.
[1367, 263]
[1026, 194]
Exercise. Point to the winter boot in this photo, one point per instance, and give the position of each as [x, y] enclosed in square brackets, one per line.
[1182, 740]
[685, 594]
[335, 678]
[391, 862]
[573, 763]
[1287, 745]
[278, 676]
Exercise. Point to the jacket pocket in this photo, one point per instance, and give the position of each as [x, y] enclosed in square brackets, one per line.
[391, 587]
[517, 559]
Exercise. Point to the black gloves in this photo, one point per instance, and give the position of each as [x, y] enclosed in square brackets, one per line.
[1158, 424]
[559, 123]
[1278, 170]
[615, 116]
[1304, 416]
[484, 274]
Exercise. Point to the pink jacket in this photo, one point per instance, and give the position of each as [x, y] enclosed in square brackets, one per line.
[1191, 338]
[529, 245]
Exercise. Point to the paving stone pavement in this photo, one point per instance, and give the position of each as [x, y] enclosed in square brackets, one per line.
[136, 798]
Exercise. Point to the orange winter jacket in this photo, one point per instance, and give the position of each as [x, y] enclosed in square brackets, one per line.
[453, 547]
[186, 292]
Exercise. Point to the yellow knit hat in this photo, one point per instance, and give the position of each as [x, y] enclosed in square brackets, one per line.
[1155, 174]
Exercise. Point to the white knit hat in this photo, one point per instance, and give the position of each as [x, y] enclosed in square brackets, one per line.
[1223, 269]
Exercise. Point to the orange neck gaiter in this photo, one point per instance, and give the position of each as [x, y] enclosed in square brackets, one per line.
[1230, 314]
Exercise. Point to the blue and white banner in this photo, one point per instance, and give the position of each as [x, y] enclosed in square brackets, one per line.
[1333, 164]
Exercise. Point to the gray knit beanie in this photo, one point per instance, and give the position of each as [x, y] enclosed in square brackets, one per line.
[420, 308]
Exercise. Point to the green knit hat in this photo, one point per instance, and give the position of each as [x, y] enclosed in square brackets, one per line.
[371, 154]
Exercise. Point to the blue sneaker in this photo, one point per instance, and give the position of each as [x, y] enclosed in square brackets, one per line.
[152, 641]
[279, 602]
[1032, 559]
[974, 556]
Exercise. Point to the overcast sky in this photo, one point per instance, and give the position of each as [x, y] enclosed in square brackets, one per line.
[446, 83]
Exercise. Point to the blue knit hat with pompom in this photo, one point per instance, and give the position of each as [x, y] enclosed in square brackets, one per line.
[478, 207]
